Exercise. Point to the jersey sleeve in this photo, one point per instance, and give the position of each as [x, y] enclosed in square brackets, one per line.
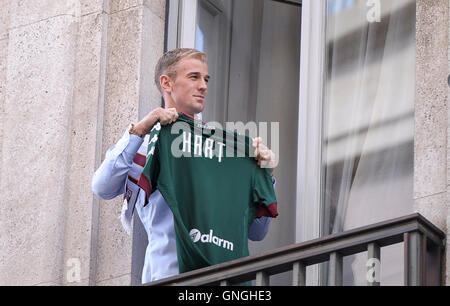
[264, 194]
[150, 173]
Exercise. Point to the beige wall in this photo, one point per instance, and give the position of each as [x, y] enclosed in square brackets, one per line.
[73, 75]
[431, 150]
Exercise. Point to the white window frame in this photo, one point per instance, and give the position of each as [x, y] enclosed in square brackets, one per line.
[309, 162]
[182, 22]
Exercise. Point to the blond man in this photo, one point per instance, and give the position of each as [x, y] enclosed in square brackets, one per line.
[181, 75]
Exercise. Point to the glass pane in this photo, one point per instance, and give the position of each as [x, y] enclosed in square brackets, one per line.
[253, 49]
[368, 110]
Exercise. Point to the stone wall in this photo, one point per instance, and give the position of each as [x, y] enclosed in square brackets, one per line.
[431, 150]
[73, 75]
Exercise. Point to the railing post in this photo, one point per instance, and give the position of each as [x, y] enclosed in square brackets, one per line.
[434, 265]
[335, 269]
[299, 274]
[262, 279]
[414, 258]
[373, 264]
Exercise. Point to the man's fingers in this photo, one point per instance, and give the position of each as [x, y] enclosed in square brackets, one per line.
[264, 156]
[169, 116]
[257, 153]
[257, 141]
[261, 151]
[267, 155]
[174, 116]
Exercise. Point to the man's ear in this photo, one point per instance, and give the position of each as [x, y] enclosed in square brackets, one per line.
[166, 83]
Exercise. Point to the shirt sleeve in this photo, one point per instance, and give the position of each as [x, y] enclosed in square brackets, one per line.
[109, 179]
[149, 176]
[259, 228]
[264, 193]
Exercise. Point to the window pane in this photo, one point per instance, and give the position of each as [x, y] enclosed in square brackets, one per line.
[253, 49]
[368, 115]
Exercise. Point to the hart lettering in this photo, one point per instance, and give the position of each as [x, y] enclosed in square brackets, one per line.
[209, 148]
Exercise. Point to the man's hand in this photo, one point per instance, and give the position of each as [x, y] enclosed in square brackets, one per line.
[264, 156]
[167, 116]
[163, 115]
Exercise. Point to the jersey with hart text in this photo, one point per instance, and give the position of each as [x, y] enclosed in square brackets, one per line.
[213, 187]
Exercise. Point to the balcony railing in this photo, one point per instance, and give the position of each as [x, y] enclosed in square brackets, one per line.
[424, 244]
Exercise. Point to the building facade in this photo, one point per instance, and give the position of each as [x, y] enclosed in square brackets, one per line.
[356, 92]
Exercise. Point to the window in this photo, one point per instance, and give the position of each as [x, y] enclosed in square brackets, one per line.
[253, 49]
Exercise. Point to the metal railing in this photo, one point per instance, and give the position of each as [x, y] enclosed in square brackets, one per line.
[424, 244]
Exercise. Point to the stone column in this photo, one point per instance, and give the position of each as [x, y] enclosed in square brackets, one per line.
[135, 42]
[431, 153]
[37, 66]
[86, 125]
[4, 23]
[73, 75]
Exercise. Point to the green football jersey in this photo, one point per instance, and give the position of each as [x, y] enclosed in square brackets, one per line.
[212, 186]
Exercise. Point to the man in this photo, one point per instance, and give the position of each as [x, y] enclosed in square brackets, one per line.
[181, 76]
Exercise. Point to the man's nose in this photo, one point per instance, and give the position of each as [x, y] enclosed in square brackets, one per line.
[203, 85]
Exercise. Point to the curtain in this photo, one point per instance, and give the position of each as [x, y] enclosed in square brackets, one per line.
[368, 128]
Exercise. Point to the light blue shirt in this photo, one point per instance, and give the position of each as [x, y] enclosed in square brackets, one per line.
[109, 181]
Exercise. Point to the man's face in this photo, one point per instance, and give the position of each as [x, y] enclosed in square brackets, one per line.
[190, 86]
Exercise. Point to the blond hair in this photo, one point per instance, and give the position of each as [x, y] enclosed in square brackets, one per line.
[167, 64]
